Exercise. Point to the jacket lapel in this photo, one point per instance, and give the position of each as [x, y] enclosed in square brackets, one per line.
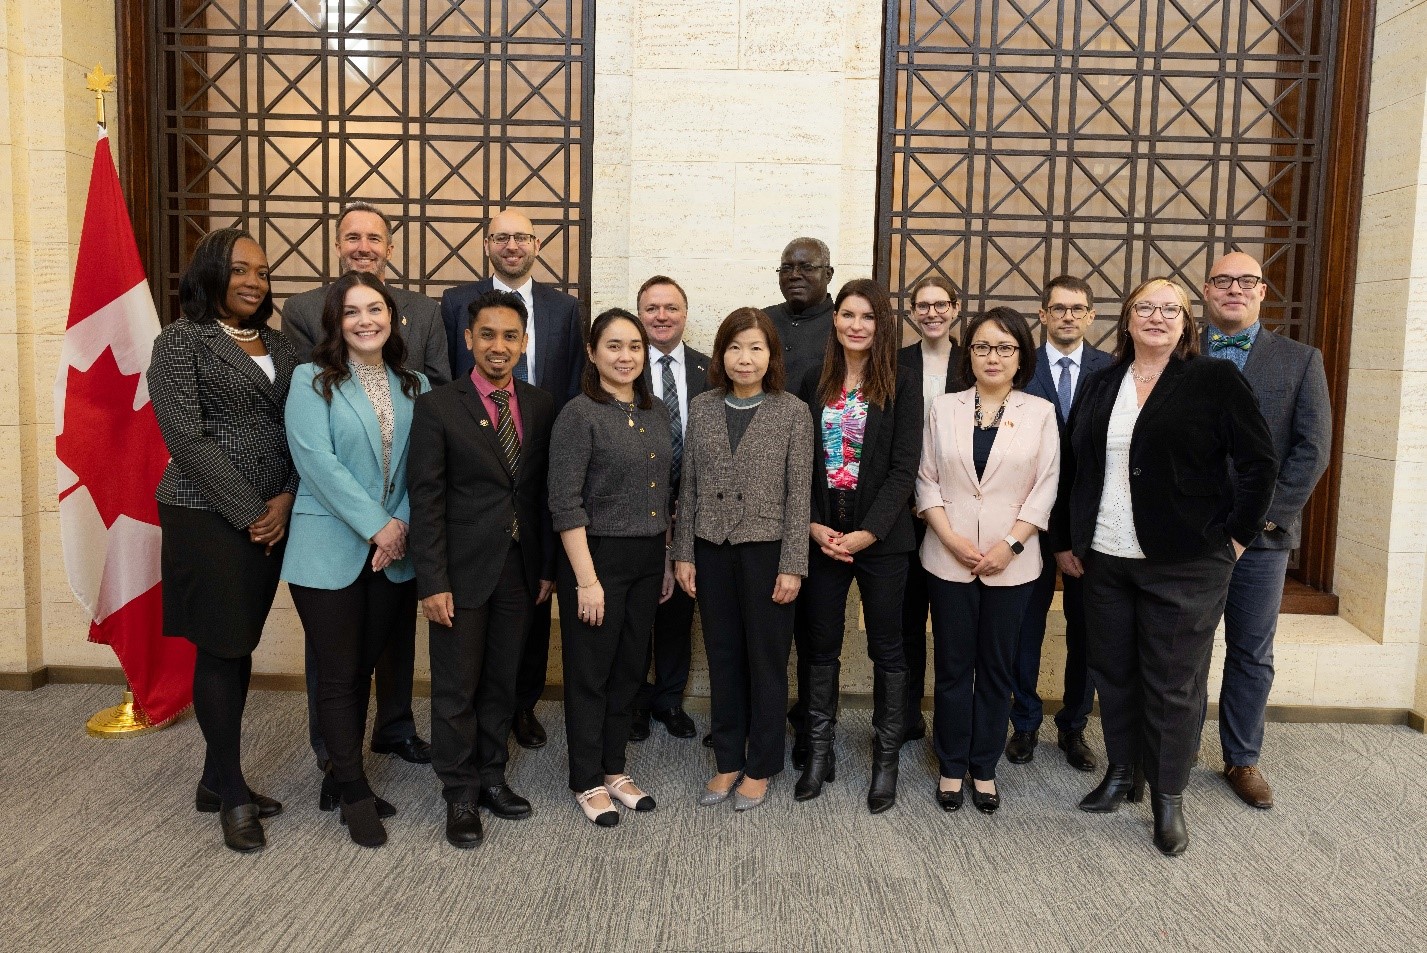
[1257, 359]
[963, 420]
[355, 395]
[1005, 436]
[477, 409]
[400, 414]
[228, 350]
[1169, 382]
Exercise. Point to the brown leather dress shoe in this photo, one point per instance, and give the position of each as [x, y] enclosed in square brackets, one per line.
[1250, 785]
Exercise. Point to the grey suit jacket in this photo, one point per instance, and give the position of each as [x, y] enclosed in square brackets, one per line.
[1292, 393]
[418, 319]
[758, 494]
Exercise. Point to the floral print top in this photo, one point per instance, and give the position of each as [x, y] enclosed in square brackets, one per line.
[844, 424]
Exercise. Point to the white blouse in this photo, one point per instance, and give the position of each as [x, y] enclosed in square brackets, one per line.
[1115, 521]
[265, 363]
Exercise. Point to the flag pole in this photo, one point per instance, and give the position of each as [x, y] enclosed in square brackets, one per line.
[123, 719]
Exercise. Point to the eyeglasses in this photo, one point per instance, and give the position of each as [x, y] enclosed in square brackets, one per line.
[927, 307]
[801, 268]
[1145, 308]
[982, 349]
[505, 238]
[1060, 310]
[1247, 282]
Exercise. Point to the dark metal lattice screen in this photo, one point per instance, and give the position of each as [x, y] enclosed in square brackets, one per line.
[1112, 139]
[274, 112]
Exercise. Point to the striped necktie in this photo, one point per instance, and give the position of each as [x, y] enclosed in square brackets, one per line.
[676, 426]
[509, 438]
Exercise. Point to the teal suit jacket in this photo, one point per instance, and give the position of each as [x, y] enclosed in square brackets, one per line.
[342, 501]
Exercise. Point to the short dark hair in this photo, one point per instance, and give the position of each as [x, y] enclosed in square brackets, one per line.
[1013, 323]
[1069, 283]
[330, 354]
[496, 298]
[360, 206]
[738, 321]
[655, 282]
[590, 384]
[204, 284]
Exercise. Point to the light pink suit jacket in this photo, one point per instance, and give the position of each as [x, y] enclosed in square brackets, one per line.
[1019, 483]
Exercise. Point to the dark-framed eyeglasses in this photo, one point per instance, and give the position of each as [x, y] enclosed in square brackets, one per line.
[982, 349]
[1246, 282]
[800, 268]
[505, 238]
[927, 307]
[1146, 308]
[1060, 310]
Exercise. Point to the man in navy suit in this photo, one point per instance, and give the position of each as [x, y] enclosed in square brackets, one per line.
[1065, 362]
[676, 373]
[554, 359]
[1292, 393]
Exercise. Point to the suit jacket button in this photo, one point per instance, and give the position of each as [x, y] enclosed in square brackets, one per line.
[651, 455]
[653, 513]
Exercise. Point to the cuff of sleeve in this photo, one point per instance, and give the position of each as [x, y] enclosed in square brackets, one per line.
[1040, 519]
[569, 519]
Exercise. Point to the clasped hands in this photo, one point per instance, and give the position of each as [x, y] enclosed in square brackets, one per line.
[271, 527]
[989, 563]
[840, 546]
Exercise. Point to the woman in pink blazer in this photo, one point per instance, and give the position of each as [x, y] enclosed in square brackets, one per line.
[989, 470]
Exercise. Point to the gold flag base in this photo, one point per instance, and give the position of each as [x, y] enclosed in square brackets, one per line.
[119, 721]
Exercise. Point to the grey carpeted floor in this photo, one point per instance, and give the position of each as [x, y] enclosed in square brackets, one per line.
[100, 849]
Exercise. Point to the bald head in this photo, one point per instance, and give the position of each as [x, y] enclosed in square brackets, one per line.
[1234, 308]
[512, 247]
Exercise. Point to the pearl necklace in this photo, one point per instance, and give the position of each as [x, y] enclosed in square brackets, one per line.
[239, 334]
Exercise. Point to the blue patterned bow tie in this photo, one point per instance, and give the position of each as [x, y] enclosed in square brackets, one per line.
[1218, 342]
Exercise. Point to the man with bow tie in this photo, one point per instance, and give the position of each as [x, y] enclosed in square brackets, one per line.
[1292, 393]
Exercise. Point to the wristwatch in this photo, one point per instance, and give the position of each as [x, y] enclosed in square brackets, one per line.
[1017, 547]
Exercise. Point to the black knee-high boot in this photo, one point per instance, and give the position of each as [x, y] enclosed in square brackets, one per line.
[889, 719]
[821, 719]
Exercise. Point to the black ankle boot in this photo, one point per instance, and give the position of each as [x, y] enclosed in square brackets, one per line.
[801, 746]
[331, 794]
[1122, 781]
[821, 718]
[889, 717]
[363, 825]
[1171, 835]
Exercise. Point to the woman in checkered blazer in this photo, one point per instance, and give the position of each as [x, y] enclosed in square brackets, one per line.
[219, 380]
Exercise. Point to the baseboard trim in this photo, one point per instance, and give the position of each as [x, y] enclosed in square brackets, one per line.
[421, 688]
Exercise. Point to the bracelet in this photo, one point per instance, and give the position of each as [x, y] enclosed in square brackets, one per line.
[587, 586]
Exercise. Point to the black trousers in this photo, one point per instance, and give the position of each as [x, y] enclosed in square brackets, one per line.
[669, 653]
[747, 637]
[473, 672]
[915, 607]
[1151, 626]
[347, 631]
[881, 581]
[394, 671]
[604, 665]
[534, 658]
[1079, 696]
[975, 628]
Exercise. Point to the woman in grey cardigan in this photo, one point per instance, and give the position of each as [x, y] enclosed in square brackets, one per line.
[741, 547]
[609, 500]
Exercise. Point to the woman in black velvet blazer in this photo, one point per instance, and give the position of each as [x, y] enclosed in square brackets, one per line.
[1166, 476]
[867, 423]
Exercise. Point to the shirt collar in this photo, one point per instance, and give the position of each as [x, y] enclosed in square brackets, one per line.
[485, 388]
[677, 356]
[524, 290]
[1252, 331]
[1053, 355]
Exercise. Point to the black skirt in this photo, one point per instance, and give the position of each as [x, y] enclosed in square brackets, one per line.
[217, 586]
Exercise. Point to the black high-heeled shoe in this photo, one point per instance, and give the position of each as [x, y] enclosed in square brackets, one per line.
[242, 831]
[363, 825]
[207, 801]
[1121, 782]
[1171, 834]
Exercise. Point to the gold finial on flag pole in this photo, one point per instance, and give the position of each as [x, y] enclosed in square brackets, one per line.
[99, 82]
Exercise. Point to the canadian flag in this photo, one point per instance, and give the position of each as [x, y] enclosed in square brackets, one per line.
[111, 456]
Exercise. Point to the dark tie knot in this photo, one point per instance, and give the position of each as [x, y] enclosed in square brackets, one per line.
[501, 398]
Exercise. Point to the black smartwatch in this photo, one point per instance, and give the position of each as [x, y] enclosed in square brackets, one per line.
[1017, 547]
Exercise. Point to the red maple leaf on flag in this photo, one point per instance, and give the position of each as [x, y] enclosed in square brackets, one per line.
[120, 481]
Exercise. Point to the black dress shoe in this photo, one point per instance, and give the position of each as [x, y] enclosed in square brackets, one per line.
[363, 824]
[242, 831]
[1077, 753]
[1022, 747]
[708, 740]
[678, 722]
[1171, 835]
[528, 731]
[501, 801]
[463, 824]
[208, 802]
[951, 801]
[639, 725]
[413, 750]
[985, 803]
[331, 796]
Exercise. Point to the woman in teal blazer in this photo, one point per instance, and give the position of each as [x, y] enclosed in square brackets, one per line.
[348, 426]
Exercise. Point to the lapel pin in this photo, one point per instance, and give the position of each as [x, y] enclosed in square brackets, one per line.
[485, 423]
[403, 322]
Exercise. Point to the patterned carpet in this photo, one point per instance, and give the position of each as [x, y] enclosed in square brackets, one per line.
[100, 849]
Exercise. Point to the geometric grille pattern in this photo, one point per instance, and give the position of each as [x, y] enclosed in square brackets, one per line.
[1110, 139]
[273, 113]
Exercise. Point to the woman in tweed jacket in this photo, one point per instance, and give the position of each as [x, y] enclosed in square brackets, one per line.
[741, 547]
[218, 380]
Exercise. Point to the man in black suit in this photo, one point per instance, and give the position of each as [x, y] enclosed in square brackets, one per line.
[1292, 393]
[553, 361]
[1067, 311]
[364, 243]
[676, 373]
[484, 554]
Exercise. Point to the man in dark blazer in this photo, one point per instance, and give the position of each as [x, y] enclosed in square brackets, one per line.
[1292, 393]
[1067, 311]
[676, 374]
[364, 243]
[484, 555]
[553, 361]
